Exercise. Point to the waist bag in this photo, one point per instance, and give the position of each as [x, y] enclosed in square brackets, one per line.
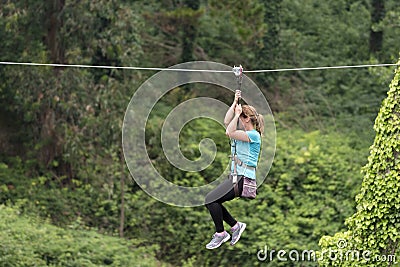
[249, 185]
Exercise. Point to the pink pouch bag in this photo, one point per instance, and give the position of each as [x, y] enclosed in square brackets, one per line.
[249, 188]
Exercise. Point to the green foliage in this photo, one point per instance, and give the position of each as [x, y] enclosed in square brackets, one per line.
[61, 107]
[308, 193]
[189, 139]
[68, 120]
[60, 128]
[230, 32]
[32, 242]
[390, 27]
[320, 36]
[374, 227]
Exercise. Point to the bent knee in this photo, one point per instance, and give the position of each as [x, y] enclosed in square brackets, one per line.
[208, 199]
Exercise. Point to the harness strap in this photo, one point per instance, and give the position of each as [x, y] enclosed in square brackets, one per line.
[234, 172]
[241, 163]
[234, 178]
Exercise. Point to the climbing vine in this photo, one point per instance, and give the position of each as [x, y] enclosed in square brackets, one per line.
[374, 235]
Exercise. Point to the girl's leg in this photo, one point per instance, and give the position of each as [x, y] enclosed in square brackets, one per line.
[227, 217]
[224, 192]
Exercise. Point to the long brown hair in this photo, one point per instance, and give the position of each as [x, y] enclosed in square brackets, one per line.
[256, 119]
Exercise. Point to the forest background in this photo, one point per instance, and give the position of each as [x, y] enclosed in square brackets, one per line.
[67, 197]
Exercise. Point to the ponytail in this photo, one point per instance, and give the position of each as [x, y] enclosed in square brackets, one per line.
[256, 119]
[260, 124]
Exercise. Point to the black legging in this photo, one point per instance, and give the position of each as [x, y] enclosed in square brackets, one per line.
[214, 201]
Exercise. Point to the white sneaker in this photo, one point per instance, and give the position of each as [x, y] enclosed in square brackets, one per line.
[218, 240]
[237, 233]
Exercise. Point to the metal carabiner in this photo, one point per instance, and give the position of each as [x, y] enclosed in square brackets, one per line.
[238, 71]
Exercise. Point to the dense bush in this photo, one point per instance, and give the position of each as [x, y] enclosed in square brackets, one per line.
[30, 241]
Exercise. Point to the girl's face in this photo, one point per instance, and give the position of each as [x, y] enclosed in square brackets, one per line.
[244, 119]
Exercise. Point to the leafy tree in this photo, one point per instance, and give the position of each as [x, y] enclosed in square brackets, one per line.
[231, 31]
[374, 227]
[268, 54]
[315, 99]
[390, 27]
[68, 120]
[172, 30]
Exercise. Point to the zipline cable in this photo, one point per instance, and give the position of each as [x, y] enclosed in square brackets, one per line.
[196, 70]
[108, 67]
[324, 68]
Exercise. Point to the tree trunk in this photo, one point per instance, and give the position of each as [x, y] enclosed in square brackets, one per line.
[189, 33]
[376, 36]
[51, 147]
[54, 23]
[122, 208]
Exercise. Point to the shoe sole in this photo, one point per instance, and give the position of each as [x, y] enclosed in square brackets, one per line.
[223, 241]
[240, 234]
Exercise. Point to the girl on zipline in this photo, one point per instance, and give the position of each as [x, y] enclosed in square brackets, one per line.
[244, 126]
